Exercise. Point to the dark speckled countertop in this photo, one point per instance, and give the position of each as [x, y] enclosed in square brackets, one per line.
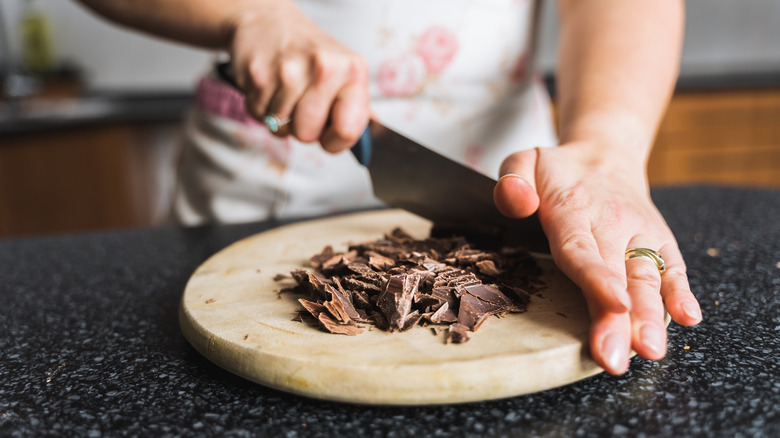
[90, 345]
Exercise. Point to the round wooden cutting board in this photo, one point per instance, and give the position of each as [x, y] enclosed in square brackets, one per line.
[231, 313]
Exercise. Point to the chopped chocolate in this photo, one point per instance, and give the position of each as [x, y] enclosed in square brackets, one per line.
[317, 260]
[473, 311]
[457, 334]
[360, 299]
[396, 300]
[488, 267]
[489, 293]
[443, 315]
[398, 282]
[379, 262]
[334, 327]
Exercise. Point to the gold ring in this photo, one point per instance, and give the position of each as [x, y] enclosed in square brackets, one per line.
[274, 123]
[646, 253]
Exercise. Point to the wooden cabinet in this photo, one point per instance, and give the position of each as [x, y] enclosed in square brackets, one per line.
[721, 137]
[112, 175]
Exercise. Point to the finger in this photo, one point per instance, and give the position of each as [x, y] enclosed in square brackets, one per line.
[648, 333]
[350, 112]
[675, 289]
[610, 343]
[331, 75]
[515, 192]
[577, 253]
[349, 118]
[293, 78]
[259, 85]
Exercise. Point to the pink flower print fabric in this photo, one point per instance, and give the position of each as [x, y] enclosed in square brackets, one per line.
[405, 75]
[401, 76]
[437, 46]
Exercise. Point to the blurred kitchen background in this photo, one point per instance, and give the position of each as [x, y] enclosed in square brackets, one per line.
[90, 112]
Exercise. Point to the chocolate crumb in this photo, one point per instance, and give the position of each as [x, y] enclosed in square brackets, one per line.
[398, 282]
[280, 277]
[210, 300]
[457, 334]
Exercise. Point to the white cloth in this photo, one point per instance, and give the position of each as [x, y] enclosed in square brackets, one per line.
[451, 74]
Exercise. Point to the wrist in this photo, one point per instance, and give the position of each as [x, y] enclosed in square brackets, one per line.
[610, 137]
[251, 13]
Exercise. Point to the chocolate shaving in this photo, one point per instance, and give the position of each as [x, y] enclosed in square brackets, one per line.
[457, 334]
[398, 282]
[342, 329]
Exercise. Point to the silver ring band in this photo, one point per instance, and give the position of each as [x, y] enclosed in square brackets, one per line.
[649, 254]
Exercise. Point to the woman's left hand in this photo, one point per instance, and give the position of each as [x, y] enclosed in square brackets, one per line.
[594, 205]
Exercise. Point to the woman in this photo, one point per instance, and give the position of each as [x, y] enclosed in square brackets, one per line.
[453, 74]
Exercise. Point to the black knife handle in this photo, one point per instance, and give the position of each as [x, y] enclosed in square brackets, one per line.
[361, 150]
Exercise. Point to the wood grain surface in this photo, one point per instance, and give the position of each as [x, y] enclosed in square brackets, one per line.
[230, 312]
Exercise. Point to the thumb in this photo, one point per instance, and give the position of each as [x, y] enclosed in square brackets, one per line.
[515, 192]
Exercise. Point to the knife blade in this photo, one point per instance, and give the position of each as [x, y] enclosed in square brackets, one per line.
[408, 175]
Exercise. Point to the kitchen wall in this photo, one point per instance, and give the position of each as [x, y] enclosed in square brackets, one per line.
[722, 37]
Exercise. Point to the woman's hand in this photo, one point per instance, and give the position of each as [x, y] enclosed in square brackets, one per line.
[594, 205]
[293, 70]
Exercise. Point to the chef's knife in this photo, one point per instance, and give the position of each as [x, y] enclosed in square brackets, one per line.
[410, 176]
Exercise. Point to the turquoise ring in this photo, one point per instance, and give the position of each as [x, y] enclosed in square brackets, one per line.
[274, 123]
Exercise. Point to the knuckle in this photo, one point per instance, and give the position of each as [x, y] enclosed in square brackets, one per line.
[676, 275]
[258, 73]
[290, 71]
[358, 68]
[347, 131]
[305, 133]
[576, 242]
[645, 275]
[324, 65]
[575, 197]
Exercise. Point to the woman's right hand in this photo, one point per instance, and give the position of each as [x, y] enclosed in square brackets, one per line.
[290, 68]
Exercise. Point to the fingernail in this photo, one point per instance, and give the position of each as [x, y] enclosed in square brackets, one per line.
[615, 353]
[620, 292]
[514, 175]
[691, 309]
[653, 338]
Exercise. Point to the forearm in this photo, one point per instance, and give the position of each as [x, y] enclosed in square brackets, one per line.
[618, 61]
[203, 23]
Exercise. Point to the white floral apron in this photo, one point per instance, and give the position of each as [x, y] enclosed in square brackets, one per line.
[451, 74]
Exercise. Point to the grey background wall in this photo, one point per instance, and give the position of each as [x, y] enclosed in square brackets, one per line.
[722, 37]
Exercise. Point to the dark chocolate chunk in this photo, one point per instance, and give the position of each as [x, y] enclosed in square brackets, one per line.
[443, 315]
[379, 262]
[457, 334]
[488, 267]
[314, 308]
[489, 293]
[396, 300]
[317, 260]
[343, 329]
[398, 282]
[473, 311]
